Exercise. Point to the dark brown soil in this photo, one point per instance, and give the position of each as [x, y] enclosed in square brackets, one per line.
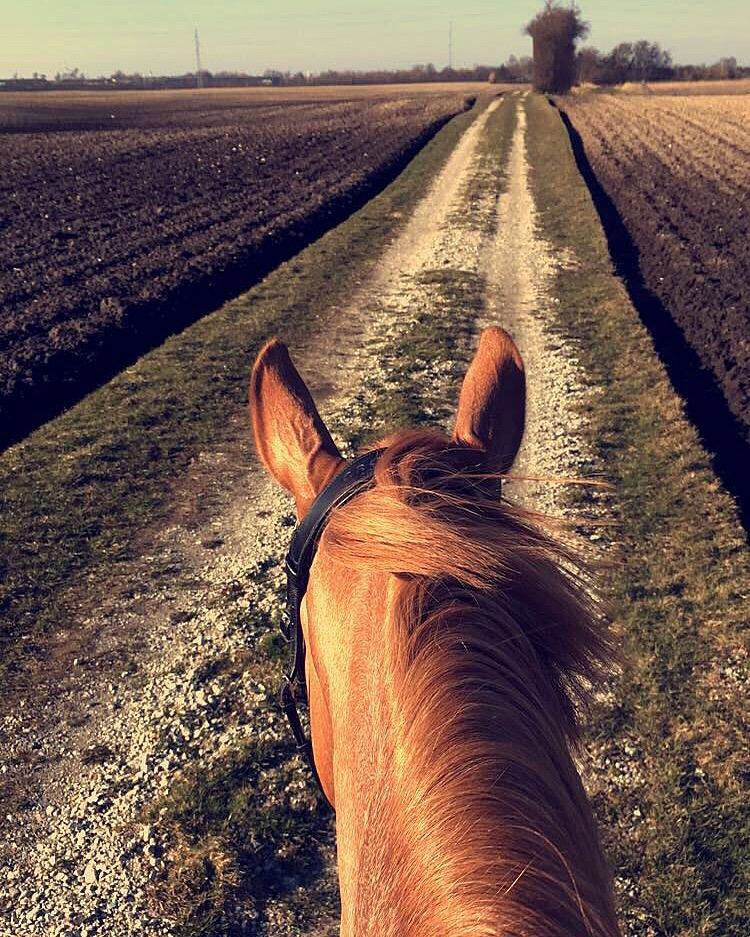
[680, 181]
[124, 220]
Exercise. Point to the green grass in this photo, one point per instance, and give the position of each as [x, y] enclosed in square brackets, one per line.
[493, 151]
[78, 494]
[241, 849]
[679, 833]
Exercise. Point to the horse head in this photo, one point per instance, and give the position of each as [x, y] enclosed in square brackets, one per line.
[450, 645]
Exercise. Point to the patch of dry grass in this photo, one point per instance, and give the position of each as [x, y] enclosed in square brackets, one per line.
[738, 86]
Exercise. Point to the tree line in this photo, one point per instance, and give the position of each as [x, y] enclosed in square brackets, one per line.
[557, 28]
[513, 70]
[647, 61]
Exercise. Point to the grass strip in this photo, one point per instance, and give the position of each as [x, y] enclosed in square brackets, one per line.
[76, 495]
[672, 797]
[419, 368]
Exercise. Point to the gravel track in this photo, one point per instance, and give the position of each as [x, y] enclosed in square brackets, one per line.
[80, 853]
[520, 268]
[520, 273]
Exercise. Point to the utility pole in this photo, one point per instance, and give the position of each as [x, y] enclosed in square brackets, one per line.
[450, 44]
[198, 70]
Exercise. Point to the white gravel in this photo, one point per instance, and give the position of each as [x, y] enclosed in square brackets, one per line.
[520, 268]
[520, 271]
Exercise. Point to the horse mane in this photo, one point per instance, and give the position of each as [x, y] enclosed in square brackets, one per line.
[493, 646]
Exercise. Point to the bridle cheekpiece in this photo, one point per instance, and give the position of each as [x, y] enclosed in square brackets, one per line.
[356, 478]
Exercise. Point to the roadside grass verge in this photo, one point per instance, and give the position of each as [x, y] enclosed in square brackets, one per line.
[248, 844]
[77, 495]
[668, 742]
[477, 211]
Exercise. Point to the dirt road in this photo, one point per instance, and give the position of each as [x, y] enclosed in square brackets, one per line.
[520, 267]
[89, 849]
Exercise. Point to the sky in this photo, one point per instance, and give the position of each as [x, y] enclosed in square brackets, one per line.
[101, 36]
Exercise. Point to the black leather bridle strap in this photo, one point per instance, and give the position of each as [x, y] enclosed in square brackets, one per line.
[356, 478]
[288, 704]
[342, 488]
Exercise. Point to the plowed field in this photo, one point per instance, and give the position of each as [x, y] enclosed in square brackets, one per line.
[678, 171]
[123, 217]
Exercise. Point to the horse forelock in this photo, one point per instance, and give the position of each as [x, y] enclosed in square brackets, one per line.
[494, 645]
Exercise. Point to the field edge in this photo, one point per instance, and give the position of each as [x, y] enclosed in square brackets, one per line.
[722, 431]
[81, 492]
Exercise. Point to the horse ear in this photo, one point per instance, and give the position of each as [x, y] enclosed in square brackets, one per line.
[290, 436]
[492, 406]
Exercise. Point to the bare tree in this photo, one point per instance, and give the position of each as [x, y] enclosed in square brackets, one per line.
[726, 68]
[635, 61]
[588, 60]
[555, 31]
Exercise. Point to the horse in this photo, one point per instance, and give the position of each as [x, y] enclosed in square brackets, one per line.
[452, 643]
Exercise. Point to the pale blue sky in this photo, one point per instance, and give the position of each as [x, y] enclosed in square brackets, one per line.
[99, 36]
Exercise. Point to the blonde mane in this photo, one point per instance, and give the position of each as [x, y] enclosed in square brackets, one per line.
[494, 643]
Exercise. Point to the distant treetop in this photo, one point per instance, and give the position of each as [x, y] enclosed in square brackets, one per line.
[558, 22]
[555, 31]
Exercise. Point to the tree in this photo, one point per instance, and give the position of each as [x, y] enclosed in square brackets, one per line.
[650, 61]
[589, 63]
[516, 69]
[639, 61]
[618, 64]
[554, 32]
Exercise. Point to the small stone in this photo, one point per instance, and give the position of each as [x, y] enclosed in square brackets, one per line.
[89, 873]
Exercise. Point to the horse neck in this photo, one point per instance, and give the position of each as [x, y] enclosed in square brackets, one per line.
[464, 812]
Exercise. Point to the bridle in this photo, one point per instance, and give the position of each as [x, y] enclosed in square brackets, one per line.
[356, 478]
